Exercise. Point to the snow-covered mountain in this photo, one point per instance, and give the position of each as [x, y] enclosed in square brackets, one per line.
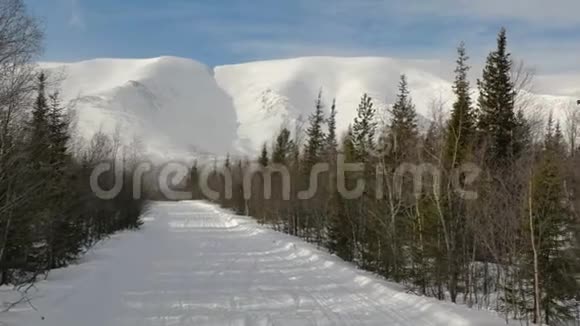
[172, 106]
[178, 106]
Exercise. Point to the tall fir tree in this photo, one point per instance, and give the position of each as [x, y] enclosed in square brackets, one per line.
[59, 133]
[64, 238]
[331, 144]
[459, 140]
[315, 143]
[363, 129]
[496, 116]
[460, 130]
[340, 229]
[363, 139]
[403, 132]
[283, 148]
[39, 139]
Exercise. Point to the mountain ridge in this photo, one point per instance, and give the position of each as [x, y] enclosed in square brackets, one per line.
[180, 106]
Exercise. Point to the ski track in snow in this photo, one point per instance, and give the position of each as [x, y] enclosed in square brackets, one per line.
[196, 264]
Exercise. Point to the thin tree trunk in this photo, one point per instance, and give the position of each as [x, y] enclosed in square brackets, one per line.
[537, 307]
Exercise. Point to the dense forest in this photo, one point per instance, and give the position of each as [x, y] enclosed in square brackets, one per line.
[481, 208]
[49, 214]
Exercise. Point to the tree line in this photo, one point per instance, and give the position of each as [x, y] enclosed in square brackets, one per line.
[512, 246]
[49, 214]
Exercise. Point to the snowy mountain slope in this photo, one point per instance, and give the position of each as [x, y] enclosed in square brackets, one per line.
[271, 93]
[171, 105]
[194, 264]
[177, 105]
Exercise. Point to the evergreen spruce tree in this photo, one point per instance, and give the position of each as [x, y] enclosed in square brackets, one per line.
[403, 133]
[459, 141]
[402, 137]
[64, 239]
[37, 147]
[315, 143]
[333, 210]
[460, 130]
[59, 133]
[331, 145]
[340, 229]
[363, 129]
[283, 148]
[553, 225]
[363, 133]
[496, 116]
[38, 142]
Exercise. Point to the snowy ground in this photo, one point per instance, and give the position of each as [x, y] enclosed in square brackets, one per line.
[195, 264]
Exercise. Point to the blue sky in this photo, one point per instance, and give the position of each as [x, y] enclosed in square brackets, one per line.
[544, 33]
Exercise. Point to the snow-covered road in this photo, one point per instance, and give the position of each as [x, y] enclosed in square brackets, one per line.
[195, 264]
